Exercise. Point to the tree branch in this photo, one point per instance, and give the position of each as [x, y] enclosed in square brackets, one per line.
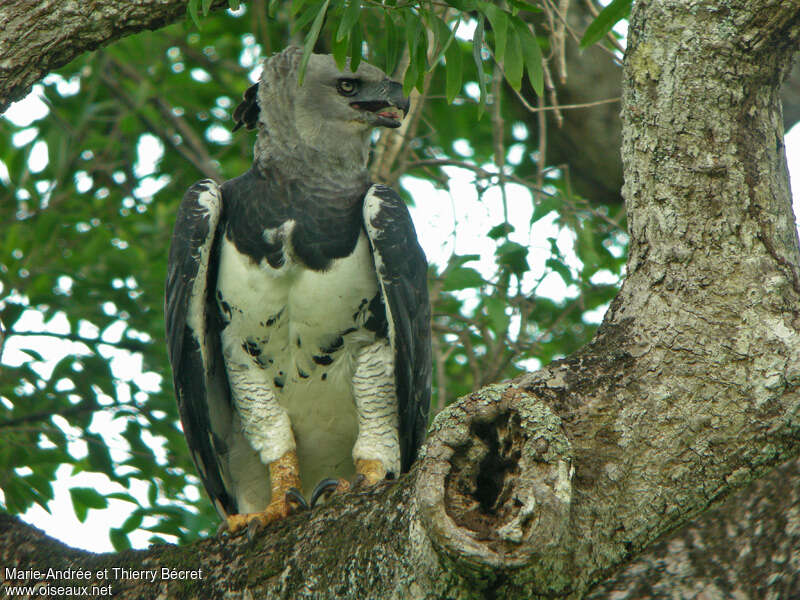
[43, 36]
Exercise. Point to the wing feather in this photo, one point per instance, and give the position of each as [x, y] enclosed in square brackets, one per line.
[192, 329]
[402, 273]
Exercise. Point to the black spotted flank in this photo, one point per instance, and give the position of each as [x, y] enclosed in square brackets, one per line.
[251, 347]
[360, 308]
[322, 360]
[302, 373]
[278, 381]
[226, 308]
[335, 345]
[376, 321]
[271, 321]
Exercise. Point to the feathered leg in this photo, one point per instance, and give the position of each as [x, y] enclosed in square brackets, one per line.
[376, 453]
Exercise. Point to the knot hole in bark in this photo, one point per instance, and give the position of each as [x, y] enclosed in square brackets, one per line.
[479, 489]
[494, 483]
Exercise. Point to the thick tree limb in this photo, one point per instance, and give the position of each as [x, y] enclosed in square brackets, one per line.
[749, 545]
[41, 36]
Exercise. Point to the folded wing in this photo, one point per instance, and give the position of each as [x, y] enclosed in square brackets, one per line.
[402, 273]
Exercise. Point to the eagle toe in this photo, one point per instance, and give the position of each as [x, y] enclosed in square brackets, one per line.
[292, 503]
[327, 488]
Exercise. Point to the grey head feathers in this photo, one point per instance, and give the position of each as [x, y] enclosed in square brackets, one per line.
[325, 123]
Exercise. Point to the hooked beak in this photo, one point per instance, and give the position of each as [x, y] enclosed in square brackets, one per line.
[385, 101]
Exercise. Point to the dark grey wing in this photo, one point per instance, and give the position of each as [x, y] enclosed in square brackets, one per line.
[198, 370]
[402, 273]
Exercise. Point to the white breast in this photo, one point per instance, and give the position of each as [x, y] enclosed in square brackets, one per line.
[298, 331]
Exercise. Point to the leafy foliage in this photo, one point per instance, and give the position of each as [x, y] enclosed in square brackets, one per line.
[130, 127]
[616, 11]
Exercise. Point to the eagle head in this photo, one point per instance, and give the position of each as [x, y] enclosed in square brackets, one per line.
[332, 112]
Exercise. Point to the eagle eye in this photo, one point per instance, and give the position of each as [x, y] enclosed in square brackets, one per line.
[347, 87]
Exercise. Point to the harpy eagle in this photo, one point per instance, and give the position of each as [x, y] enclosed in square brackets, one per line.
[297, 311]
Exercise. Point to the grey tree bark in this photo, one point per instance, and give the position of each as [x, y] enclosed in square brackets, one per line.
[41, 36]
[543, 487]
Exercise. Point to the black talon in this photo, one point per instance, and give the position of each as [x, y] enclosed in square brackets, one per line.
[253, 528]
[295, 501]
[323, 489]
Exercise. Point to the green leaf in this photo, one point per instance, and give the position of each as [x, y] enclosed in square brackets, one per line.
[410, 79]
[413, 27]
[457, 260]
[10, 313]
[477, 44]
[498, 18]
[18, 495]
[310, 13]
[273, 8]
[443, 39]
[501, 230]
[339, 50]
[311, 40]
[192, 7]
[513, 256]
[206, 7]
[498, 319]
[512, 65]
[585, 249]
[295, 7]
[99, 457]
[351, 14]
[119, 539]
[561, 269]
[152, 493]
[42, 487]
[532, 55]
[356, 39]
[605, 21]
[124, 496]
[85, 498]
[233, 4]
[393, 42]
[132, 522]
[422, 62]
[522, 5]
[462, 277]
[453, 71]
[464, 5]
[545, 206]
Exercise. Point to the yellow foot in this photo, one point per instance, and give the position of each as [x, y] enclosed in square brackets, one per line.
[290, 503]
[286, 499]
[369, 472]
